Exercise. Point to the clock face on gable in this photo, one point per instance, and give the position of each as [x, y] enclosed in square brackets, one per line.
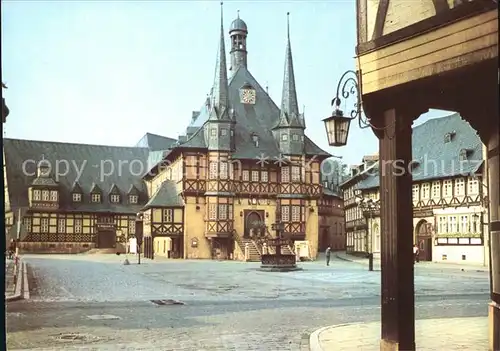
[247, 96]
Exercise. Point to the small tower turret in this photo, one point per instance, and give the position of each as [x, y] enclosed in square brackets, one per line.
[238, 33]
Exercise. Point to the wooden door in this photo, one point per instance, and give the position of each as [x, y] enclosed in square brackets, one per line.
[106, 240]
[252, 216]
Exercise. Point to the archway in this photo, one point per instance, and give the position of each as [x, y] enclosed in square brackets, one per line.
[423, 236]
[251, 217]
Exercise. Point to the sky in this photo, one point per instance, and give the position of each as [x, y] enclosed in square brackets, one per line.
[107, 72]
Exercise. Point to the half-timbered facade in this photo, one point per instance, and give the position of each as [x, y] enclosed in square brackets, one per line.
[449, 214]
[71, 198]
[241, 161]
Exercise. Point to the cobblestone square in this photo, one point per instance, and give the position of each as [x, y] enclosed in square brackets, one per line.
[97, 302]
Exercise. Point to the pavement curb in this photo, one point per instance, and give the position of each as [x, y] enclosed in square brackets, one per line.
[343, 258]
[314, 344]
[19, 285]
[26, 287]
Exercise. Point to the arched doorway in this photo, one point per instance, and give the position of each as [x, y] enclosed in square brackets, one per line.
[251, 218]
[424, 239]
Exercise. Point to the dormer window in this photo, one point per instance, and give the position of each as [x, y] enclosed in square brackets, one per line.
[295, 137]
[77, 197]
[37, 195]
[464, 154]
[96, 198]
[448, 137]
[115, 198]
[133, 199]
[45, 195]
[53, 195]
[255, 139]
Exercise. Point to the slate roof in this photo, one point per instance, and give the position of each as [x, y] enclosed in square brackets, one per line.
[256, 119]
[165, 196]
[96, 162]
[437, 158]
[156, 142]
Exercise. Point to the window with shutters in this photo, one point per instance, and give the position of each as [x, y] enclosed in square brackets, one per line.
[213, 170]
[53, 195]
[285, 174]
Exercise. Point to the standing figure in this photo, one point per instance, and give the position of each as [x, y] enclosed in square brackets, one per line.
[328, 251]
[416, 253]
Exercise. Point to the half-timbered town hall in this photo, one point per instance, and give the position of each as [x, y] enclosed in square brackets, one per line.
[243, 164]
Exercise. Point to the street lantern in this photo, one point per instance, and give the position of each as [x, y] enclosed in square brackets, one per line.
[337, 125]
[337, 128]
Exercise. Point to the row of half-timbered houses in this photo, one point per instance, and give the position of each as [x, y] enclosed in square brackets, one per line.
[450, 218]
[242, 164]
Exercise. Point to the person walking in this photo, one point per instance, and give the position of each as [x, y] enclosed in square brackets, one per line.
[328, 252]
[416, 253]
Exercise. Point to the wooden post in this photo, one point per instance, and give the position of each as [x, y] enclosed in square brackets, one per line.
[398, 297]
[493, 149]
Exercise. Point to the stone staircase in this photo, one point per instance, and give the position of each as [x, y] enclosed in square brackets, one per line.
[254, 252]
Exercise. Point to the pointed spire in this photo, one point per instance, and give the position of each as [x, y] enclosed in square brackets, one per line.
[220, 96]
[289, 104]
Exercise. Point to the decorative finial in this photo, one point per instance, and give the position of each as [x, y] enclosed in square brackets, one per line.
[267, 88]
[288, 24]
[221, 13]
[43, 157]
[238, 14]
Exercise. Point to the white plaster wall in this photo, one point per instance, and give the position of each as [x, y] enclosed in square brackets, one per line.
[474, 254]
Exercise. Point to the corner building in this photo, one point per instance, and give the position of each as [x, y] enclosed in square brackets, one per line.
[242, 161]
